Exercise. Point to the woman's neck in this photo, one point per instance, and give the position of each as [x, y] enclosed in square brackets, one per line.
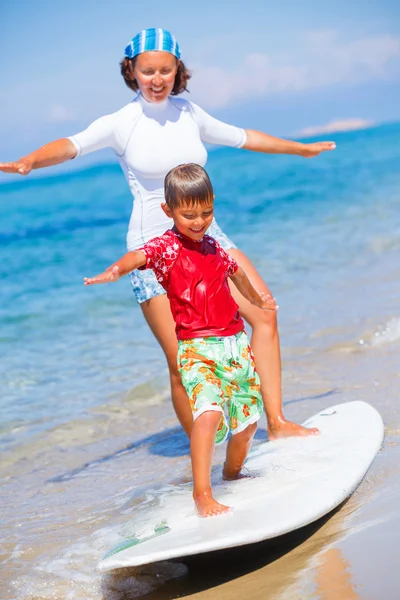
[153, 106]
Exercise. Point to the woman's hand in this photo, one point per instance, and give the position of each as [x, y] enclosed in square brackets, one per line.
[23, 166]
[51, 154]
[311, 150]
[111, 274]
[257, 141]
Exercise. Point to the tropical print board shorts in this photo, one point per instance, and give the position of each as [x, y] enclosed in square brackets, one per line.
[218, 372]
[144, 283]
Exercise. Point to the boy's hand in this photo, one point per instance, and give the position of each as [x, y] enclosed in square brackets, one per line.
[268, 302]
[109, 275]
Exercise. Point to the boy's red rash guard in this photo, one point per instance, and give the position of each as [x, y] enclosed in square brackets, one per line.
[194, 275]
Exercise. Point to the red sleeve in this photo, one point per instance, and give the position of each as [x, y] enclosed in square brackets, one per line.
[229, 262]
[161, 253]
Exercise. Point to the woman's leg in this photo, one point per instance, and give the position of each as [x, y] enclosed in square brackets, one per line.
[158, 315]
[202, 441]
[266, 349]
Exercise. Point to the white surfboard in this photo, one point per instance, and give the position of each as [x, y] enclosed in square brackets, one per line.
[296, 481]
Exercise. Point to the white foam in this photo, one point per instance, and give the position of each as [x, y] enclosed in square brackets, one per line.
[73, 575]
[384, 334]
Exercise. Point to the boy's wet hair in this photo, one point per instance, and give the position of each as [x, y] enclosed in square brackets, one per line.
[187, 184]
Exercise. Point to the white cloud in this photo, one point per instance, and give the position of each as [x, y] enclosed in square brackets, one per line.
[333, 126]
[59, 114]
[322, 59]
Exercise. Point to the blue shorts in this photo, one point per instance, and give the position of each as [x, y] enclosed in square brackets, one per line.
[145, 284]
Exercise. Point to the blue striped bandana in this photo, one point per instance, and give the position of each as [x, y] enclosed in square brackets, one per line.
[152, 39]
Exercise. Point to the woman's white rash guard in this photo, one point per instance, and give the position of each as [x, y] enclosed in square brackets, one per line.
[149, 140]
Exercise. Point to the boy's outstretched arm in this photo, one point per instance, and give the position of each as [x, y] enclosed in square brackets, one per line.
[123, 266]
[242, 282]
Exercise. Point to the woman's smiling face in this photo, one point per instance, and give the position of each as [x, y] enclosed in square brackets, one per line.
[155, 73]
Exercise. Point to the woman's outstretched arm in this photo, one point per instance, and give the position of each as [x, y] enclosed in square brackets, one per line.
[217, 132]
[51, 154]
[262, 142]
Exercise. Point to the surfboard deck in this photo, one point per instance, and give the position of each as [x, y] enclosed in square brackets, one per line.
[296, 481]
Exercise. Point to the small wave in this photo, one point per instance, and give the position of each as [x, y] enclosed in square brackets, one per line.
[384, 334]
[72, 575]
[51, 231]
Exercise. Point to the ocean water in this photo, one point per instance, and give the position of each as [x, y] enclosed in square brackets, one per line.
[87, 431]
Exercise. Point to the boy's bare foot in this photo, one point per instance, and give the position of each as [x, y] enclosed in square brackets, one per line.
[282, 428]
[232, 475]
[206, 506]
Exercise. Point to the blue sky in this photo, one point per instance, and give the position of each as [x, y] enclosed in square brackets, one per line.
[279, 67]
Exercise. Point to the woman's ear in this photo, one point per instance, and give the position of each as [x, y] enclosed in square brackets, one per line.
[167, 210]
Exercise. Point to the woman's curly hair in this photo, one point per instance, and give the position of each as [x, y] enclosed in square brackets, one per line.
[181, 78]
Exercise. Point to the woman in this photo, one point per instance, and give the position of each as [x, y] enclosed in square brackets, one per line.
[150, 136]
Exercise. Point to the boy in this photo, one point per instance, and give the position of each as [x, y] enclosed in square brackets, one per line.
[214, 357]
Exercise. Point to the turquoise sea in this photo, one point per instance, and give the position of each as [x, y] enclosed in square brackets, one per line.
[87, 428]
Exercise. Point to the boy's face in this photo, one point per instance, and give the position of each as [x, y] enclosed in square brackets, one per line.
[192, 220]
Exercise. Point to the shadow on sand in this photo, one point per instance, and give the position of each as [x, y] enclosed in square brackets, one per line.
[211, 570]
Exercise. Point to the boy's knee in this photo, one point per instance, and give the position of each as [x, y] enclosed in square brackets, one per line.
[247, 434]
[252, 430]
[209, 419]
[211, 415]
